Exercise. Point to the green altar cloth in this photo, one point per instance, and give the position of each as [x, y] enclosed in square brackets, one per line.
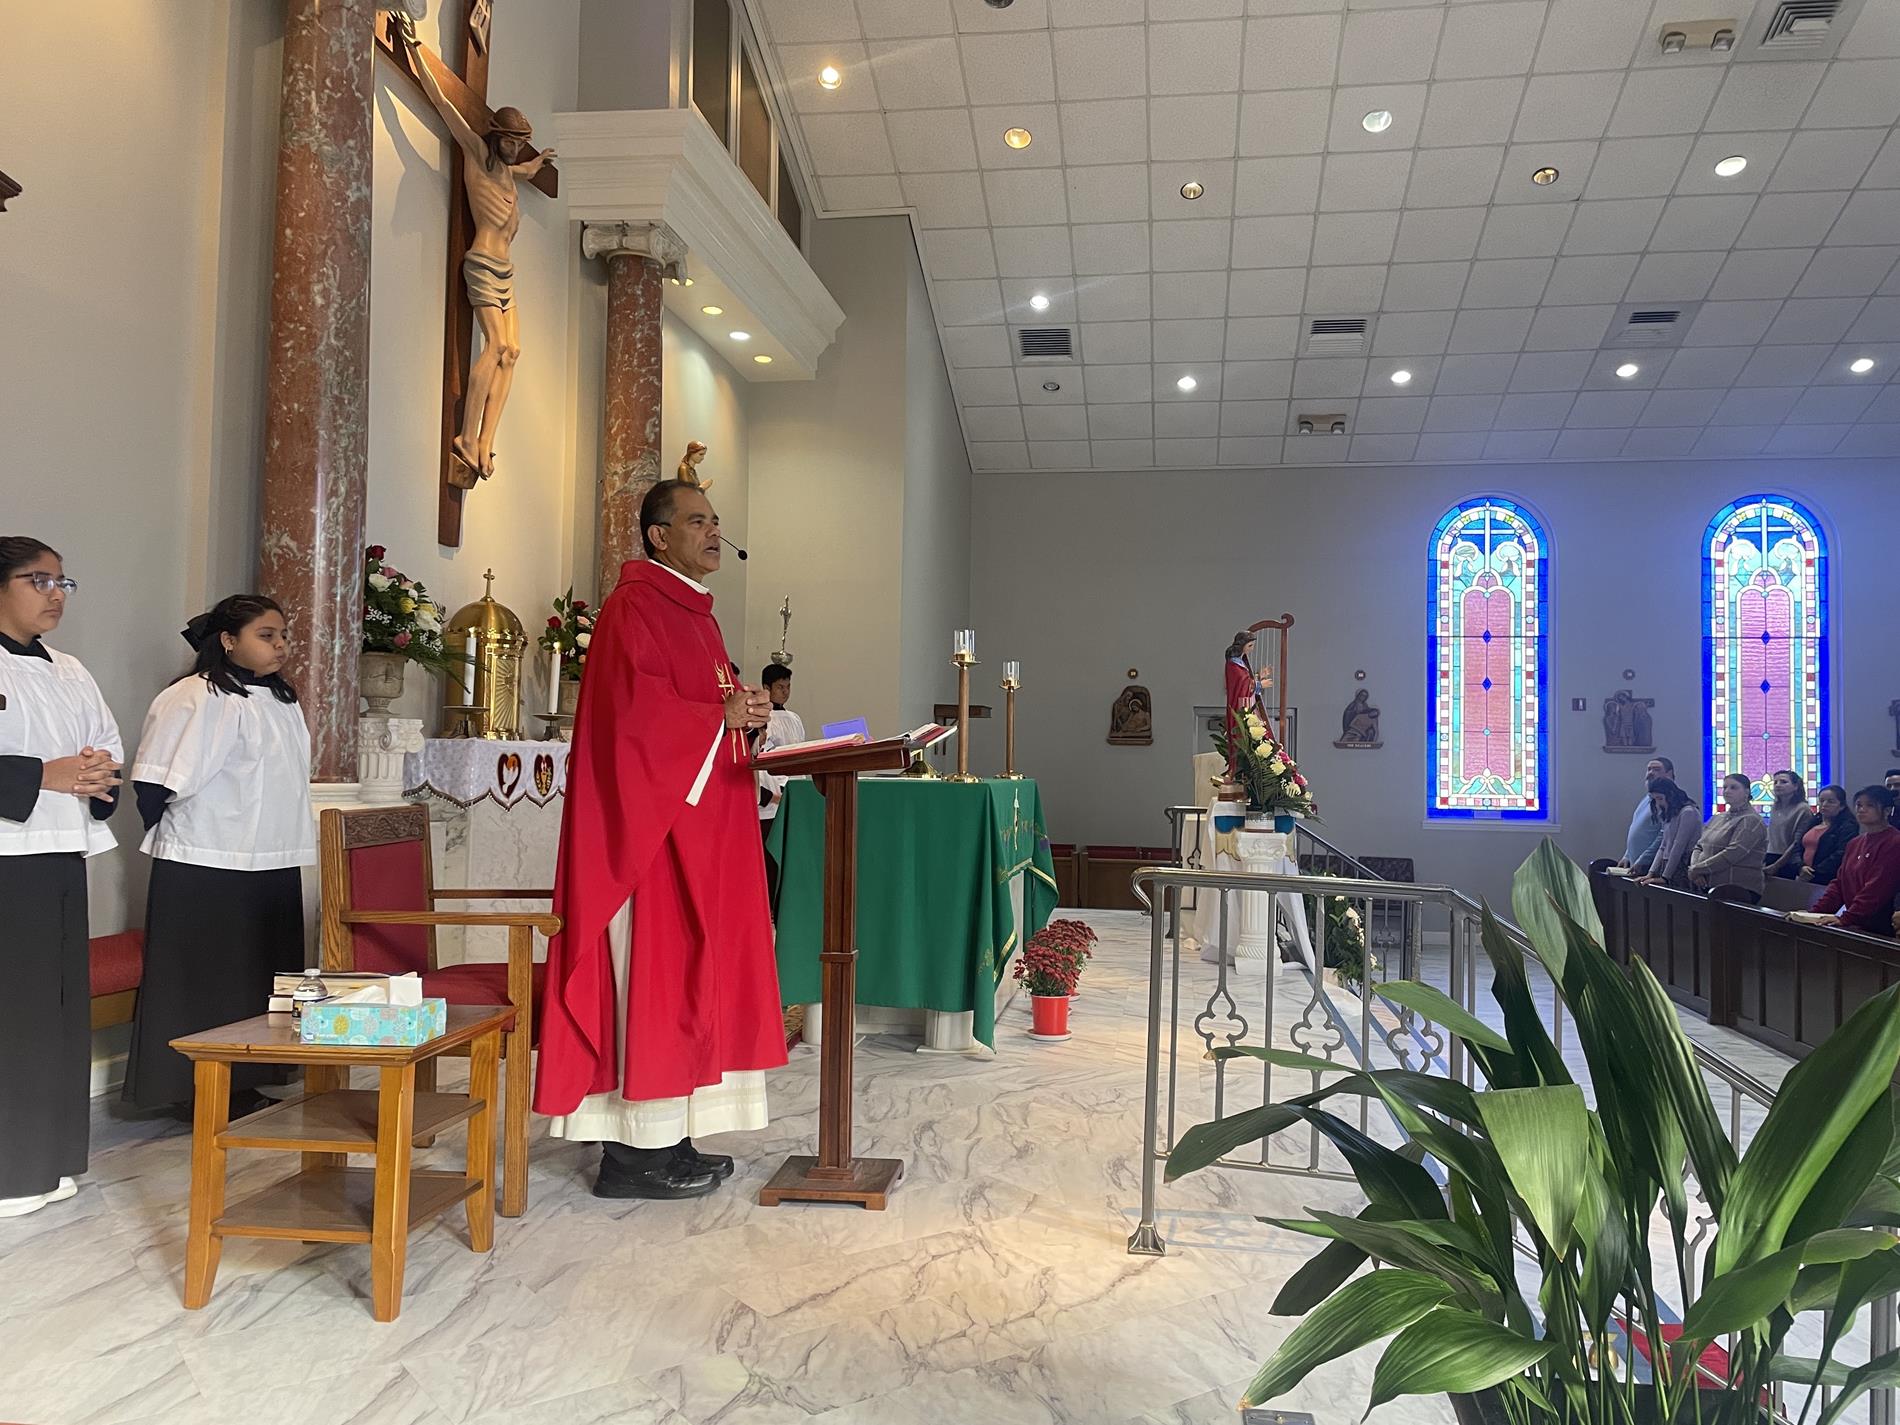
[936, 928]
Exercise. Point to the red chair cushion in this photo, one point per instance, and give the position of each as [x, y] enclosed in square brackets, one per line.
[389, 877]
[482, 982]
[117, 962]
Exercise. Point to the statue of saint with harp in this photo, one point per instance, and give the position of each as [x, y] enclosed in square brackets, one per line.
[1251, 671]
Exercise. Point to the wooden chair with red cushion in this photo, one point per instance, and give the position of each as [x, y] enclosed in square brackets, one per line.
[379, 913]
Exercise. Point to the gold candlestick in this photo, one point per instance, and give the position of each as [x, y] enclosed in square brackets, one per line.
[1010, 774]
[964, 663]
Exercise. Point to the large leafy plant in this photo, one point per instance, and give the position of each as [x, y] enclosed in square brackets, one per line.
[1533, 1173]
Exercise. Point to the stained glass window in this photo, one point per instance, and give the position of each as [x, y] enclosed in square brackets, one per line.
[1764, 649]
[1487, 645]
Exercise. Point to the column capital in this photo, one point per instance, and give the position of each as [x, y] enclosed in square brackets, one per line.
[656, 242]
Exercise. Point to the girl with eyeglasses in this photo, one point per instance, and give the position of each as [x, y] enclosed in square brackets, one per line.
[59, 781]
[222, 779]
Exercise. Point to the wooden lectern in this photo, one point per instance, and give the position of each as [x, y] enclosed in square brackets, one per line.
[834, 1175]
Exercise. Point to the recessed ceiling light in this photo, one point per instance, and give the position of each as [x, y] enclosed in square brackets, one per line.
[1039, 302]
[1377, 122]
[1628, 369]
[1544, 177]
[1730, 166]
[1191, 190]
[829, 78]
[1861, 365]
[1018, 138]
[740, 336]
[713, 311]
[1186, 383]
[1401, 378]
[763, 359]
[1052, 385]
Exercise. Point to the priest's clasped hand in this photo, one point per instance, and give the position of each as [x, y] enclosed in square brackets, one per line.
[747, 707]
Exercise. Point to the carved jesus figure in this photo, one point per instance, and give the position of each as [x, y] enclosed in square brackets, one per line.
[492, 165]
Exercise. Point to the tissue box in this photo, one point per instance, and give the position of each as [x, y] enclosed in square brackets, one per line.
[382, 1025]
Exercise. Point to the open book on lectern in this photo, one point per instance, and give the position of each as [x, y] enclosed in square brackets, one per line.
[919, 739]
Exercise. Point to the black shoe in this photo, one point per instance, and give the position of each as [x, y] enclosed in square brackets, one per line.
[669, 1179]
[718, 1164]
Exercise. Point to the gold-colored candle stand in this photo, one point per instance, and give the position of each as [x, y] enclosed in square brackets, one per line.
[964, 663]
[1010, 774]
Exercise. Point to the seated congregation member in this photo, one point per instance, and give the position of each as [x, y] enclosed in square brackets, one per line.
[1645, 831]
[223, 783]
[1729, 850]
[1861, 896]
[1681, 819]
[1893, 786]
[59, 762]
[1790, 816]
[1817, 855]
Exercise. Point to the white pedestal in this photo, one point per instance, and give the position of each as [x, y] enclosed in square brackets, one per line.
[381, 743]
[1269, 853]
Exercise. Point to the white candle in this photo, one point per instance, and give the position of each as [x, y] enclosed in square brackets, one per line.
[1012, 671]
[965, 642]
[554, 680]
[468, 672]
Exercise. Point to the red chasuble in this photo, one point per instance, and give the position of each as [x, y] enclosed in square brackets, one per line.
[1241, 695]
[702, 994]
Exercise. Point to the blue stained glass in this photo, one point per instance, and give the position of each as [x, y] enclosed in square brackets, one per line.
[1487, 682]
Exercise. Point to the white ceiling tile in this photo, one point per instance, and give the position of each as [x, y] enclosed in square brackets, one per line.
[1886, 406]
[1561, 371]
[1267, 292]
[1392, 47]
[1453, 177]
[976, 346]
[1660, 443]
[1664, 101]
[845, 195]
[1880, 322]
[1262, 338]
[1578, 281]
[1764, 273]
[1421, 373]
[1601, 409]
[1569, 328]
[1565, 106]
[1194, 58]
[1122, 383]
[1592, 34]
[1699, 367]
[1526, 445]
[1258, 380]
[1542, 410]
[1674, 277]
[1347, 132]
[1638, 168]
[1182, 421]
[1134, 421]
[1621, 225]
[987, 387]
[1525, 231]
[1293, 52]
[921, 73]
[959, 252]
[1863, 439]
[1490, 331]
[1733, 440]
[1681, 408]
[978, 17]
[1124, 454]
[1453, 446]
[1391, 415]
[1252, 452]
[1034, 252]
[1194, 453]
[1463, 412]
[1869, 219]
[800, 65]
[1805, 440]
[1764, 405]
[1383, 449]
[1825, 159]
[1040, 119]
[1124, 297]
[1606, 363]
[1216, 177]
[1334, 378]
[1730, 323]
[1104, 130]
[1858, 93]
[1412, 334]
[899, 18]
[1205, 393]
[1876, 34]
[1762, 150]
[1115, 193]
[1442, 234]
[1101, 63]
[1284, 121]
[1811, 319]
[1008, 68]
[1315, 449]
[1424, 286]
[998, 455]
[1765, 96]
[1095, 12]
[1018, 293]
[1507, 282]
[1475, 375]
[1837, 369]
[1191, 126]
[1820, 405]
[1360, 182]
[1273, 186]
[993, 422]
[1023, 198]
[1344, 289]
[1701, 224]
[1791, 219]
[800, 21]
[942, 200]
[848, 143]
[1104, 247]
[1345, 239]
[1034, 386]
[1191, 294]
[1059, 454]
[1589, 443]
[1118, 344]
[1470, 111]
[1200, 245]
[1487, 40]
[932, 140]
[1252, 417]
[1162, 10]
[1885, 172]
[967, 303]
[1058, 422]
[1783, 365]
[1272, 242]
[1190, 339]
[1573, 162]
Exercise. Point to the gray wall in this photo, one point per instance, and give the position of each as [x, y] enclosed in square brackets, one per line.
[1085, 576]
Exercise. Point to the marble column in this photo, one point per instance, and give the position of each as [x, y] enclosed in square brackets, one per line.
[639, 259]
[316, 434]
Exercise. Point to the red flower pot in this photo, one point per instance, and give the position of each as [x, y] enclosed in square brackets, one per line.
[1050, 1016]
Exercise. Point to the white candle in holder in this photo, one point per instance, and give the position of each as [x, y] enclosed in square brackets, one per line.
[964, 643]
[1012, 671]
[468, 671]
[554, 680]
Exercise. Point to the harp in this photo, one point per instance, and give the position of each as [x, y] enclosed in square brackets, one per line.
[1269, 662]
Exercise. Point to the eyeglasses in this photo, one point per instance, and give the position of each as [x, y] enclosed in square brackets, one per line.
[45, 583]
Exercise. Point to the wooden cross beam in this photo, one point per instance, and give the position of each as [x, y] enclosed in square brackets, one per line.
[468, 92]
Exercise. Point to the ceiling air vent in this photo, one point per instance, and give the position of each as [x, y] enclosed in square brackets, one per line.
[1337, 336]
[1800, 24]
[1640, 325]
[1045, 343]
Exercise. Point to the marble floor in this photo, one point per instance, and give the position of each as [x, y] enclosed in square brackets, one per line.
[996, 1288]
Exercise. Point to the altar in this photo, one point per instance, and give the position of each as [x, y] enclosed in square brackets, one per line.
[494, 821]
[952, 876]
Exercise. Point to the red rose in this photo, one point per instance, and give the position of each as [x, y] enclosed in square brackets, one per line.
[376, 551]
[401, 640]
[554, 623]
[579, 604]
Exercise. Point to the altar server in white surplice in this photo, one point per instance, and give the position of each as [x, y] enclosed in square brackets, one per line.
[223, 783]
[59, 761]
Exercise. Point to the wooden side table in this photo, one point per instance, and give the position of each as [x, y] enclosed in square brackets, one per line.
[328, 1201]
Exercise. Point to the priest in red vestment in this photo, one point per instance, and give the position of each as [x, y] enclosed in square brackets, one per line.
[662, 1009]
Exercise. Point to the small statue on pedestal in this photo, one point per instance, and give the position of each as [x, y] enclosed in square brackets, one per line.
[688, 473]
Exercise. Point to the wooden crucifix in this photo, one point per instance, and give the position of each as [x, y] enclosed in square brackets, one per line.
[467, 454]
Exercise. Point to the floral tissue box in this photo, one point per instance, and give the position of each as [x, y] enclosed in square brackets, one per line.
[380, 1025]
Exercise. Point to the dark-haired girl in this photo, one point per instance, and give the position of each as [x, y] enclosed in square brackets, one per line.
[1668, 863]
[223, 783]
[59, 761]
